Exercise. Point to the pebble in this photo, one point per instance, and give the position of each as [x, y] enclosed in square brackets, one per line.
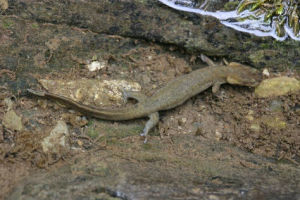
[277, 86]
[57, 138]
[12, 121]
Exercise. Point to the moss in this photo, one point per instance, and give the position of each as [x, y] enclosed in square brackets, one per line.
[231, 5]
[91, 131]
[265, 45]
[151, 157]
[7, 23]
[113, 132]
[147, 146]
[35, 25]
[257, 56]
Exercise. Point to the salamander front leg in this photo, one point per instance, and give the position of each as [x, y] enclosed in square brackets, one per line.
[153, 120]
[207, 60]
[216, 87]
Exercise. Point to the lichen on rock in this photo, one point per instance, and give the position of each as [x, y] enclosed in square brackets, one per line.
[277, 86]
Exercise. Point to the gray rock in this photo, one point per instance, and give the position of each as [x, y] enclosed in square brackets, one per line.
[153, 21]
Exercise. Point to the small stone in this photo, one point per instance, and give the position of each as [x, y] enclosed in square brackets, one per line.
[8, 103]
[251, 112]
[182, 121]
[12, 121]
[202, 108]
[80, 143]
[75, 120]
[3, 4]
[277, 86]
[213, 197]
[255, 127]
[250, 117]
[96, 65]
[273, 122]
[276, 106]
[266, 72]
[218, 135]
[57, 138]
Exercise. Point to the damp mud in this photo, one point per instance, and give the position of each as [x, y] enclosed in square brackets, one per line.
[233, 122]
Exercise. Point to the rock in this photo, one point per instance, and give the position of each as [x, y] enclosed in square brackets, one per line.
[266, 72]
[8, 103]
[153, 21]
[276, 106]
[96, 65]
[182, 121]
[57, 138]
[74, 120]
[249, 116]
[91, 91]
[218, 135]
[12, 121]
[277, 86]
[274, 122]
[3, 4]
[197, 129]
[255, 127]
[191, 168]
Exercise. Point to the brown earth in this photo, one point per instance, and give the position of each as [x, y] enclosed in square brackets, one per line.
[231, 145]
[206, 117]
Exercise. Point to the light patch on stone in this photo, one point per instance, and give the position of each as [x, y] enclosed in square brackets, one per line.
[255, 127]
[277, 86]
[218, 135]
[8, 103]
[91, 91]
[3, 4]
[12, 121]
[266, 72]
[276, 122]
[57, 138]
[96, 65]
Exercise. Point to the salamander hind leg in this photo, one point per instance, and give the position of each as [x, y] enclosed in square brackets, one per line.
[133, 95]
[153, 120]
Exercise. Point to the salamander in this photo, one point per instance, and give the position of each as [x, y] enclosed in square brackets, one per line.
[173, 94]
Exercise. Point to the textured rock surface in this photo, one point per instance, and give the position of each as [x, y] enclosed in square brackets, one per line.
[153, 21]
[277, 86]
[46, 39]
[188, 168]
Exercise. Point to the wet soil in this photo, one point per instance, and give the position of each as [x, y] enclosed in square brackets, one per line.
[221, 118]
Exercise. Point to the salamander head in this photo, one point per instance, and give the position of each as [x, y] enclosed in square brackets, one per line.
[239, 74]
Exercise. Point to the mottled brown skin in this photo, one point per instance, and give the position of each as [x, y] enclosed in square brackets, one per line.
[175, 93]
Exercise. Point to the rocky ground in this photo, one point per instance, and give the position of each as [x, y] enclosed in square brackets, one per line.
[231, 145]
